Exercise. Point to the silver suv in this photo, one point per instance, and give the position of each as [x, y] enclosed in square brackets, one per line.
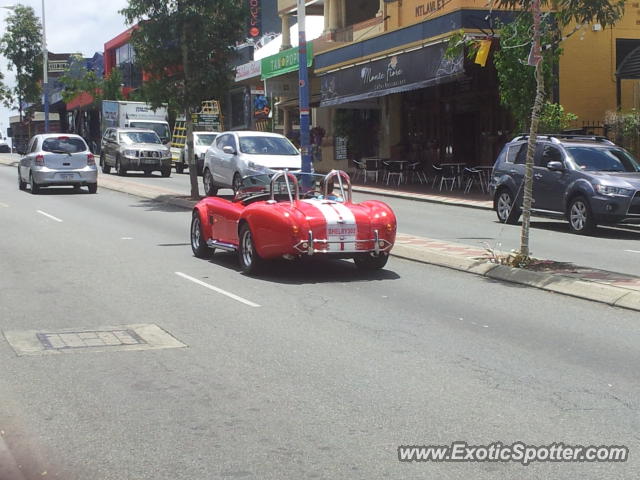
[585, 179]
[134, 149]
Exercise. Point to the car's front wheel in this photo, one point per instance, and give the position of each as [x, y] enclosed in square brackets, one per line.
[166, 172]
[580, 216]
[250, 261]
[237, 183]
[210, 190]
[103, 163]
[505, 209]
[198, 242]
[370, 261]
[119, 169]
[93, 187]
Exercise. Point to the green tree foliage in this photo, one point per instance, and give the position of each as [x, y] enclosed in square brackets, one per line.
[21, 44]
[77, 79]
[186, 47]
[553, 118]
[517, 81]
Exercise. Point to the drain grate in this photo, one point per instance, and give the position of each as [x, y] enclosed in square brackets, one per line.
[123, 337]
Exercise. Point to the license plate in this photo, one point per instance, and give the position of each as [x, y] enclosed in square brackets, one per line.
[148, 161]
[342, 231]
[67, 176]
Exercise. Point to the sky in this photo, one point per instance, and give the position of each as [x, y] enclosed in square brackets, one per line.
[72, 26]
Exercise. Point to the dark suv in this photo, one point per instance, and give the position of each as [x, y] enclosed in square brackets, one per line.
[585, 179]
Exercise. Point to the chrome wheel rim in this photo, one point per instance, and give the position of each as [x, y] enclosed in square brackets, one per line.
[237, 183]
[247, 249]
[207, 181]
[504, 206]
[578, 215]
[195, 233]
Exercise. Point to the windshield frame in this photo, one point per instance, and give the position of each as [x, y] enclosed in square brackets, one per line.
[268, 138]
[149, 125]
[125, 134]
[603, 151]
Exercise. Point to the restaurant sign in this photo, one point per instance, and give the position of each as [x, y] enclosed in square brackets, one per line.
[284, 62]
[412, 70]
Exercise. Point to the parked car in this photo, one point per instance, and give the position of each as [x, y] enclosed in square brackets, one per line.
[201, 142]
[587, 180]
[129, 149]
[269, 218]
[235, 155]
[57, 159]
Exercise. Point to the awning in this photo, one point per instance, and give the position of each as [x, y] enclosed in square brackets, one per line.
[314, 101]
[402, 72]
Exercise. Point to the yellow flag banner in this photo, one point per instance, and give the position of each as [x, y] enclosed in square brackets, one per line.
[483, 52]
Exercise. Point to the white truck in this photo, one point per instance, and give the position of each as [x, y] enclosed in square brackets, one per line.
[118, 114]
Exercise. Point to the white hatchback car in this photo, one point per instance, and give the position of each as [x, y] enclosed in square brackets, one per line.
[234, 155]
[57, 159]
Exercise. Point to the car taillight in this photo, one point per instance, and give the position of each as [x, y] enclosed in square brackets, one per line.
[40, 160]
[91, 160]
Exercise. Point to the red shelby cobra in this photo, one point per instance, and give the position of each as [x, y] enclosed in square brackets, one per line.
[269, 218]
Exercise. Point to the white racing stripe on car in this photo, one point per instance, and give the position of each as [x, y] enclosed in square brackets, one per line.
[49, 215]
[218, 290]
[341, 225]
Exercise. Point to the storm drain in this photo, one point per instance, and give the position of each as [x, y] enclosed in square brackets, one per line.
[101, 339]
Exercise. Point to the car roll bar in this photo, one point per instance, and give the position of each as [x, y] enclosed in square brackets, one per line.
[342, 175]
[295, 196]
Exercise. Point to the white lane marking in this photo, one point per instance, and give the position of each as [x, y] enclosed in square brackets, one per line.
[633, 251]
[4, 205]
[48, 215]
[219, 290]
[126, 238]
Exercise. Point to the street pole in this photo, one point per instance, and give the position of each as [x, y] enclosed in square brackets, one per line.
[45, 73]
[303, 81]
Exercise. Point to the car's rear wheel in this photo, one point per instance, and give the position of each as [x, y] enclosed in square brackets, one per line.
[103, 163]
[35, 188]
[580, 216]
[370, 261]
[166, 172]
[250, 261]
[22, 185]
[93, 187]
[506, 211]
[210, 190]
[119, 169]
[198, 242]
[179, 167]
[237, 183]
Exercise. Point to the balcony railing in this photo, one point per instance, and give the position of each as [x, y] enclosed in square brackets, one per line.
[360, 31]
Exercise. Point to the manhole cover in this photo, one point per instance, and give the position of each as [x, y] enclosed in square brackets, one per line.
[124, 337]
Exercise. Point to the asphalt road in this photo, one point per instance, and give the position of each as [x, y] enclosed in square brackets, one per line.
[324, 379]
[615, 249]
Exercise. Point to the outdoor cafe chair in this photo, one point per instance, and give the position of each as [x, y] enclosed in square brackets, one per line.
[417, 171]
[447, 174]
[395, 170]
[359, 170]
[472, 176]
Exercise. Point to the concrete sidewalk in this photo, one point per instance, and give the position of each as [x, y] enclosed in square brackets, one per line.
[583, 282]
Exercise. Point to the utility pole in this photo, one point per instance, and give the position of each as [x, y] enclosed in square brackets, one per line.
[303, 81]
[45, 73]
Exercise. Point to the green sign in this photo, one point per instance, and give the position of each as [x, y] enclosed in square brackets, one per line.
[284, 62]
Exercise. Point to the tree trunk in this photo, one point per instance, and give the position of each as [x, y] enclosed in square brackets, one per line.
[533, 135]
[188, 147]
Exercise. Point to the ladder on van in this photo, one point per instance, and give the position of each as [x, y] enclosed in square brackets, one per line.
[209, 108]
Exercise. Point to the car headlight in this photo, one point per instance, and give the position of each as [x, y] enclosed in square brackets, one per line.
[609, 190]
[130, 153]
[258, 168]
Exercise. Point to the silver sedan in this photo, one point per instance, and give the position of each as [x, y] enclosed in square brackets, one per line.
[57, 159]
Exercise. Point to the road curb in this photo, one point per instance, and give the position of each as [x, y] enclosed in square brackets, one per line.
[596, 292]
[415, 197]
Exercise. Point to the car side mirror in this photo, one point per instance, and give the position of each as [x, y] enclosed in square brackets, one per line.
[228, 150]
[556, 166]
